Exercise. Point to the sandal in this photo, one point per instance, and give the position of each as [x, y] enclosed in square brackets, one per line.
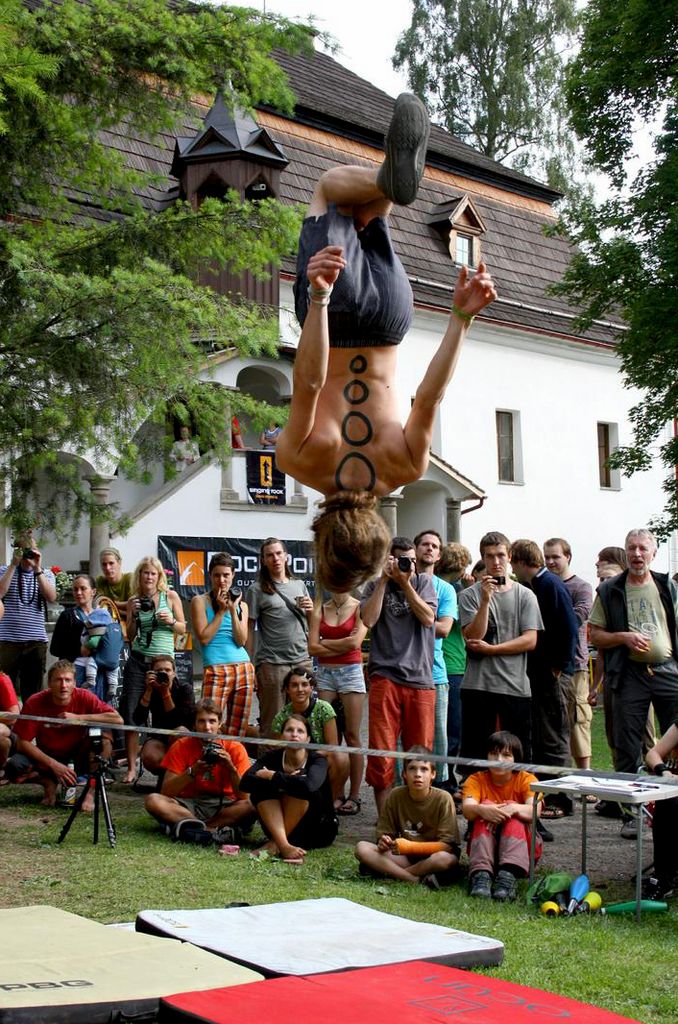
[349, 807]
[551, 812]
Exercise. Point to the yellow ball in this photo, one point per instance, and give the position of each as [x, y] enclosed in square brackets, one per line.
[594, 900]
[550, 909]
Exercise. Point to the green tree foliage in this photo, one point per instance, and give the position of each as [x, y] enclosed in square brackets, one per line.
[624, 76]
[102, 321]
[491, 72]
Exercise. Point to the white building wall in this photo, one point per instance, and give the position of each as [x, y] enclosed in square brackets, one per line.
[560, 389]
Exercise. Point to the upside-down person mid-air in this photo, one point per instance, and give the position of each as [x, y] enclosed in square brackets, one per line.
[344, 436]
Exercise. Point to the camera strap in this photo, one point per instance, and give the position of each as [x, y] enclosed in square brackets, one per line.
[298, 614]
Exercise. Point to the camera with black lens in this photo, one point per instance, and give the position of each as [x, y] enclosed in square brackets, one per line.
[96, 740]
[404, 563]
[29, 554]
[146, 604]
[234, 593]
[162, 676]
[211, 752]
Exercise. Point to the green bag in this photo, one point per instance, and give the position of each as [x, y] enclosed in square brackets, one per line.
[548, 886]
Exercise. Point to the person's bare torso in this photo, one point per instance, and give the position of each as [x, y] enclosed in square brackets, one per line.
[357, 441]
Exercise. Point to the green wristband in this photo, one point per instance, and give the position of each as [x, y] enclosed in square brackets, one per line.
[466, 317]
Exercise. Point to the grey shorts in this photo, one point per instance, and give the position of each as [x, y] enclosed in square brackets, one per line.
[371, 302]
[204, 807]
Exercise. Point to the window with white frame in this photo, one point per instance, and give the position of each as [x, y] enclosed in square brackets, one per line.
[608, 440]
[509, 447]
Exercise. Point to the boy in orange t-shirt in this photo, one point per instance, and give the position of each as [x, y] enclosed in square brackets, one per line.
[498, 802]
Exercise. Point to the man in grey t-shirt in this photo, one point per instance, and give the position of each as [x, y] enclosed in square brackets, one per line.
[499, 620]
[279, 607]
[400, 609]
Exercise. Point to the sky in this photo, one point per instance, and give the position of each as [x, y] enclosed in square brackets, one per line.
[366, 31]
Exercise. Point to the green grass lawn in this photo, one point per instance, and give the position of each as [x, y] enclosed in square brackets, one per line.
[610, 962]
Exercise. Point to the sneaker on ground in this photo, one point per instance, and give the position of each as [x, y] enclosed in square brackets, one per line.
[608, 809]
[504, 888]
[431, 882]
[629, 829]
[225, 834]
[544, 832]
[406, 142]
[653, 889]
[192, 830]
[481, 885]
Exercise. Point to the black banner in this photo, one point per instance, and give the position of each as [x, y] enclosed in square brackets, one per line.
[187, 559]
[265, 482]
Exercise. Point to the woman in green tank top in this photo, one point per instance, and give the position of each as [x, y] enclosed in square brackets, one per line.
[154, 618]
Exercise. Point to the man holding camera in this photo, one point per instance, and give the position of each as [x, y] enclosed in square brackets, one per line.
[400, 609]
[200, 799]
[60, 753]
[26, 589]
[500, 621]
[171, 705]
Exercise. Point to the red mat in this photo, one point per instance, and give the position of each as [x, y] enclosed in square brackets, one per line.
[422, 993]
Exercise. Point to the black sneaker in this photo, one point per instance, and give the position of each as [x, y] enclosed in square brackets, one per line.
[608, 809]
[544, 832]
[406, 142]
[225, 834]
[192, 830]
[504, 888]
[481, 885]
[431, 882]
[629, 829]
[653, 889]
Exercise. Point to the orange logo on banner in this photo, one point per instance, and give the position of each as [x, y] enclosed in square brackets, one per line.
[266, 470]
[191, 568]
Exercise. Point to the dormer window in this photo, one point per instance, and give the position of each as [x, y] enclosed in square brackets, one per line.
[460, 226]
[463, 250]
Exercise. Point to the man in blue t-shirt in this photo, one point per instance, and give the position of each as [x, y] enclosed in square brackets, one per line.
[428, 548]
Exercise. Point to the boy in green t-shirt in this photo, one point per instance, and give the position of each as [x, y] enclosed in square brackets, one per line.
[417, 833]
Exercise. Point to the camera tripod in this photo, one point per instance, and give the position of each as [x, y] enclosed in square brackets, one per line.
[95, 780]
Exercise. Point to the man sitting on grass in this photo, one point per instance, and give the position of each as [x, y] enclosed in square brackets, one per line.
[498, 803]
[200, 799]
[57, 747]
[417, 834]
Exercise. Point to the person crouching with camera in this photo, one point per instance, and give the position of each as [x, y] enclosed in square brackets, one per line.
[154, 618]
[200, 799]
[61, 753]
[170, 703]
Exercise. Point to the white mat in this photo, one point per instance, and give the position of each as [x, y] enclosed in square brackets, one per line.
[311, 936]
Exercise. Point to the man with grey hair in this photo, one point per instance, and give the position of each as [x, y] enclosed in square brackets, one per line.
[633, 623]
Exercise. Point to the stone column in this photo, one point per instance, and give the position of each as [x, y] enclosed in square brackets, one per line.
[388, 509]
[99, 535]
[298, 498]
[453, 520]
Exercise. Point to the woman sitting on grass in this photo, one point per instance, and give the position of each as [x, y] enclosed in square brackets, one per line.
[290, 791]
[299, 687]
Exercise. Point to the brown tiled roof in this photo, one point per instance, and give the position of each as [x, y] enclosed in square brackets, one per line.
[340, 119]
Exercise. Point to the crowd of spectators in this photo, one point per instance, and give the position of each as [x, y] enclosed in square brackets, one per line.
[489, 664]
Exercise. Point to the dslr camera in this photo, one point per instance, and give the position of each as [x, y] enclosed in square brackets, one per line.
[404, 563]
[234, 593]
[29, 554]
[146, 604]
[211, 751]
[162, 676]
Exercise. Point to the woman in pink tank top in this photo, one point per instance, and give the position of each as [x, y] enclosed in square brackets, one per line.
[335, 637]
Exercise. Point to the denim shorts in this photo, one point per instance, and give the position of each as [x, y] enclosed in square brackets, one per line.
[341, 678]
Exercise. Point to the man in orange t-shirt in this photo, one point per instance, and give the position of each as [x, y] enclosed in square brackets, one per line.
[200, 799]
[498, 804]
